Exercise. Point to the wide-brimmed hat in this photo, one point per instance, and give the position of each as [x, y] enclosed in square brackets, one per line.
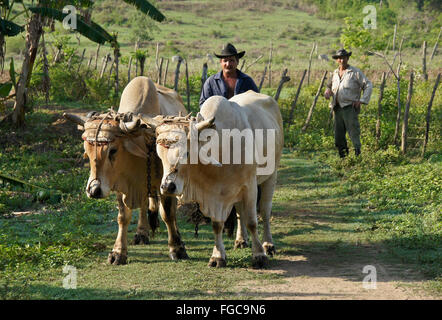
[341, 53]
[229, 50]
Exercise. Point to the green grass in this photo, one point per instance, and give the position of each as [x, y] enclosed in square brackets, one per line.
[316, 214]
[196, 28]
[383, 202]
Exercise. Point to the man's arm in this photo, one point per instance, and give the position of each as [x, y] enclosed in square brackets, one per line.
[366, 86]
[206, 93]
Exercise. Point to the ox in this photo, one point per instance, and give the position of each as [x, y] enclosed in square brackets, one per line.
[123, 160]
[215, 186]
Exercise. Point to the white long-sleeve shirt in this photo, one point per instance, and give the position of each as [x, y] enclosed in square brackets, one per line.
[348, 89]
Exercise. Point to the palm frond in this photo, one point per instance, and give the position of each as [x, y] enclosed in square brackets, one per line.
[4, 3]
[147, 8]
[90, 30]
[9, 28]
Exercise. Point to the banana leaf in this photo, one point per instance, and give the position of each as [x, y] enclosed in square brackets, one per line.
[147, 8]
[91, 30]
[5, 88]
[9, 28]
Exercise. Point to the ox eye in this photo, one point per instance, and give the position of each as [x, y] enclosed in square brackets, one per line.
[112, 153]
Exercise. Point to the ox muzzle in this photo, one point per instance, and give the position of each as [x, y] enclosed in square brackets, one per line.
[169, 185]
[94, 189]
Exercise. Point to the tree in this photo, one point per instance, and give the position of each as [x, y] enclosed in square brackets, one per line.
[44, 13]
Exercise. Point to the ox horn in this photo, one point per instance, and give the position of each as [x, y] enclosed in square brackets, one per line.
[130, 126]
[80, 120]
[150, 122]
[209, 123]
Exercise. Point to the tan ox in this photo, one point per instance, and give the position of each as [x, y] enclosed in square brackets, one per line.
[217, 186]
[124, 161]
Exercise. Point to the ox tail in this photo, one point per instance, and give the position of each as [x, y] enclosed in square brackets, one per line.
[154, 221]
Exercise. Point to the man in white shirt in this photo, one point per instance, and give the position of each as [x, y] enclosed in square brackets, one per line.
[345, 87]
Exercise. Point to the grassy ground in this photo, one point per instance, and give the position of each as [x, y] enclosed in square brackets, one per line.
[196, 28]
[316, 216]
[331, 217]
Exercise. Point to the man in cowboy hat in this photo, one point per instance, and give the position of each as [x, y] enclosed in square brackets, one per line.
[229, 81]
[345, 87]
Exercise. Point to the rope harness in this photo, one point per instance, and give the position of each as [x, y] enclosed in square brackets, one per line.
[118, 131]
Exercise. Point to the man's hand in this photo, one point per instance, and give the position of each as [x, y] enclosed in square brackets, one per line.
[328, 93]
[357, 106]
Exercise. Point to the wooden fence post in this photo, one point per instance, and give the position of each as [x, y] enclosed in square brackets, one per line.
[406, 113]
[394, 37]
[292, 107]
[177, 73]
[136, 60]
[96, 56]
[399, 108]
[187, 88]
[310, 63]
[160, 71]
[262, 79]
[284, 79]
[110, 73]
[89, 63]
[203, 76]
[129, 69]
[270, 64]
[381, 96]
[424, 60]
[81, 60]
[428, 118]
[104, 65]
[165, 72]
[435, 45]
[156, 60]
[310, 113]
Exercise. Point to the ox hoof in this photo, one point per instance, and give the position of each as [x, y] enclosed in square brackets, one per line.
[241, 244]
[141, 238]
[217, 262]
[117, 258]
[269, 249]
[179, 254]
[260, 262]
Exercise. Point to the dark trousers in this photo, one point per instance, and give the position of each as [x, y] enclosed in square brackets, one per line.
[346, 120]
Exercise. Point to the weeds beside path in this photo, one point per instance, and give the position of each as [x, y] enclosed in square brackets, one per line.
[324, 249]
[323, 234]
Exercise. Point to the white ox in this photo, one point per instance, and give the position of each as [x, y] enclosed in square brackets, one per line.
[127, 163]
[217, 187]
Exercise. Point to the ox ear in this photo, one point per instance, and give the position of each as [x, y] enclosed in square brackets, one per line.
[147, 122]
[79, 120]
[205, 124]
[136, 146]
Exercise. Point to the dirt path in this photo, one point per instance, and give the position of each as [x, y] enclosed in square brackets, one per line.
[304, 279]
[327, 255]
